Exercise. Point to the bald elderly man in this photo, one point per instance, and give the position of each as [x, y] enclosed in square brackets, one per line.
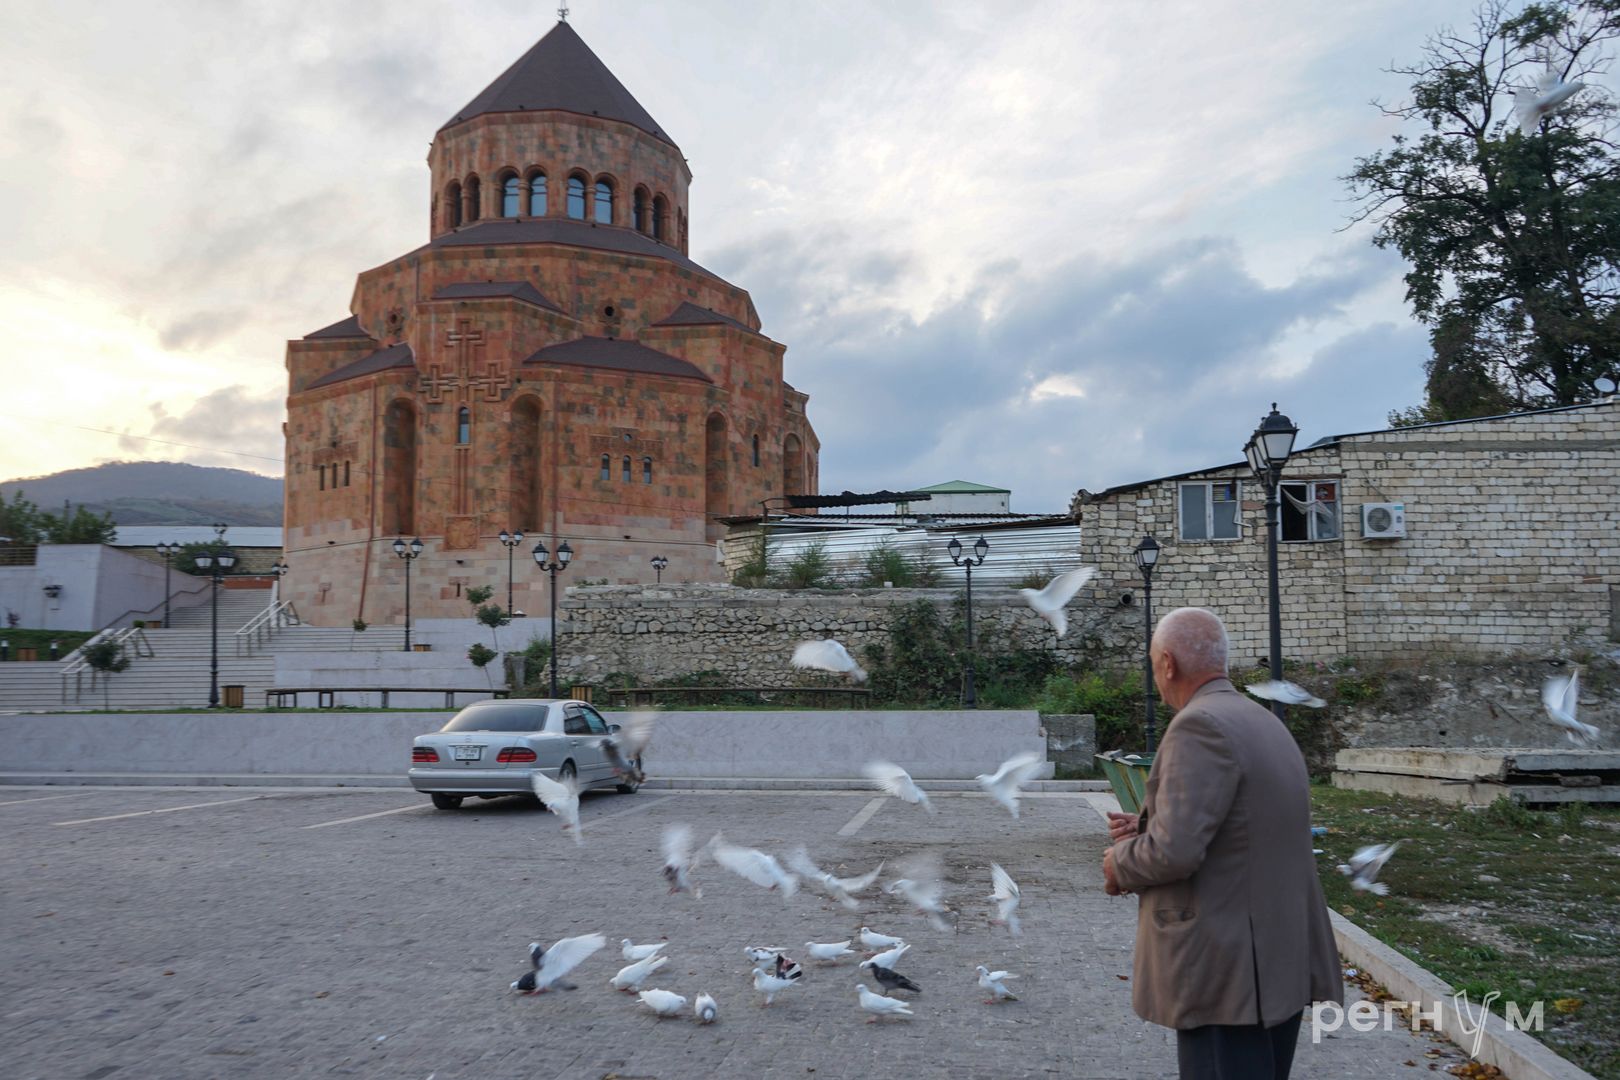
[1232, 934]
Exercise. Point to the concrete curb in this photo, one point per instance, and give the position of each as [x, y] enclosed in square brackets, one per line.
[1518, 1055]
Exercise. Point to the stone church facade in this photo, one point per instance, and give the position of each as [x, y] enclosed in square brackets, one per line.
[550, 361]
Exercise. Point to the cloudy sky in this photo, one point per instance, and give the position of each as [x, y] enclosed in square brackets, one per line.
[1038, 245]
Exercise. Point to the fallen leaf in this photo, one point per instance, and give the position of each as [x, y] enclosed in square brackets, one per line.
[1567, 1005]
[168, 973]
[323, 993]
[1123, 978]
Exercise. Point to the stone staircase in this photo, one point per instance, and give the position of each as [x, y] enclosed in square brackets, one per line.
[176, 675]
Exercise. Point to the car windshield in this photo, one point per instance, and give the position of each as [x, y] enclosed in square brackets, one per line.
[503, 717]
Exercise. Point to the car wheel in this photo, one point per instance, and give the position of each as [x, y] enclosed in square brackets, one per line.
[630, 787]
[568, 771]
[447, 802]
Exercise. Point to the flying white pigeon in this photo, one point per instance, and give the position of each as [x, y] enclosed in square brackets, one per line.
[829, 951]
[1006, 782]
[769, 985]
[1285, 692]
[550, 965]
[1005, 894]
[679, 860]
[705, 1009]
[896, 781]
[663, 1002]
[561, 797]
[1364, 865]
[625, 746]
[874, 940]
[638, 952]
[921, 885]
[1549, 95]
[839, 889]
[828, 655]
[1560, 696]
[755, 865]
[631, 976]
[1049, 602]
[992, 981]
[888, 958]
[880, 1006]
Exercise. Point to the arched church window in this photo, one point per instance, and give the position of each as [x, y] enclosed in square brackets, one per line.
[756, 451]
[639, 215]
[646, 470]
[625, 472]
[463, 426]
[452, 205]
[659, 216]
[607, 467]
[604, 202]
[474, 198]
[511, 196]
[537, 194]
[576, 198]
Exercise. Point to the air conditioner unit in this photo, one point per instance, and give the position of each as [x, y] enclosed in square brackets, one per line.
[1383, 521]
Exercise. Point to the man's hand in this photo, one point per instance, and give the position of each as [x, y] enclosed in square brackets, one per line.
[1121, 826]
[1110, 884]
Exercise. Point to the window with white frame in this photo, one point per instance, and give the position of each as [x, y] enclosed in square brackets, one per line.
[1309, 510]
[1210, 510]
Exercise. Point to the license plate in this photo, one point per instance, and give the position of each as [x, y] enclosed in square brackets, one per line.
[467, 753]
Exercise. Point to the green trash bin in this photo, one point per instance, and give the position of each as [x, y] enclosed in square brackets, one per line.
[1128, 774]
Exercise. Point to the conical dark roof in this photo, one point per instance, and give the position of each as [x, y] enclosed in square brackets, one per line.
[561, 72]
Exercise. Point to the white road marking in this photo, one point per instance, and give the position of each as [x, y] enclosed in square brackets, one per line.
[165, 810]
[368, 817]
[45, 798]
[865, 814]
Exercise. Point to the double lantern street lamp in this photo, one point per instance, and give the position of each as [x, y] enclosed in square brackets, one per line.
[1267, 452]
[658, 564]
[543, 559]
[1147, 557]
[168, 551]
[281, 570]
[408, 552]
[511, 540]
[967, 563]
[216, 564]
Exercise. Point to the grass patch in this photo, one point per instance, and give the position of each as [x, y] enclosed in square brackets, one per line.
[1506, 898]
[66, 640]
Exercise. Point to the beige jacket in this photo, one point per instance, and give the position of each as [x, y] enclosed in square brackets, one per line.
[1231, 927]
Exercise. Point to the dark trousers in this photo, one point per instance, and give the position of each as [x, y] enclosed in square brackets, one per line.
[1238, 1052]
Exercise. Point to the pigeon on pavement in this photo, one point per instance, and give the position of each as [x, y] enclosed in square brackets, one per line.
[880, 1006]
[1286, 692]
[891, 979]
[992, 981]
[550, 965]
[679, 860]
[1560, 696]
[1004, 891]
[769, 985]
[1049, 602]
[754, 865]
[830, 951]
[887, 958]
[561, 797]
[897, 782]
[1005, 784]
[761, 954]
[663, 1002]
[874, 940]
[839, 889]
[1364, 866]
[705, 1009]
[828, 655]
[921, 885]
[638, 952]
[631, 976]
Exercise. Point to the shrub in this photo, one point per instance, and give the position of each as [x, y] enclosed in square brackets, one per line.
[809, 569]
[359, 625]
[1115, 698]
[480, 654]
[926, 655]
[479, 594]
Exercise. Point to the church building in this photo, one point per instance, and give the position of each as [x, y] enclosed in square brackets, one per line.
[550, 362]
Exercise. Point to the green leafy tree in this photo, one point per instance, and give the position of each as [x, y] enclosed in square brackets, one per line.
[480, 654]
[491, 615]
[1512, 239]
[80, 527]
[19, 521]
[105, 658]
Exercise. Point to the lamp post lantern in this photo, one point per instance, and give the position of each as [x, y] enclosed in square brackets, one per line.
[658, 564]
[1267, 452]
[408, 552]
[511, 540]
[280, 569]
[967, 563]
[1147, 557]
[168, 551]
[216, 564]
[542, 559]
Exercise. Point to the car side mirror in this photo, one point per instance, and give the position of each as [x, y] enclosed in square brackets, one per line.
[613, 728]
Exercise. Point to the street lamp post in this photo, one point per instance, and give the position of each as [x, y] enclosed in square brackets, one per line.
[168, 551]
[1147, 557]
[217, 564]
[1267, 452]
[511, 540]
[542, 559]
[409, 553]
[969, 697]
[658, 564]
[280, 569]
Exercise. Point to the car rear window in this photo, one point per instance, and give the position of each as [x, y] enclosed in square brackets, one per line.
[503, 717]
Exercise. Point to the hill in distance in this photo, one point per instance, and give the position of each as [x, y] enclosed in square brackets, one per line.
[158, 493]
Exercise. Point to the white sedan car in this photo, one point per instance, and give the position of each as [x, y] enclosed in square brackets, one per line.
[492, 748]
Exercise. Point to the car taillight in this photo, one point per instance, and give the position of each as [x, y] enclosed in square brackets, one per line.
[514, 754]
[423, 754]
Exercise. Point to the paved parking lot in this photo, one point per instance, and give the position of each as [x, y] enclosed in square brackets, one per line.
[205, 932]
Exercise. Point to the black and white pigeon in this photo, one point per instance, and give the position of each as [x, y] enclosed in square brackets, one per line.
[890, 979]
[679, 860]
[550, 965]
[1364, 866]
[625, 746]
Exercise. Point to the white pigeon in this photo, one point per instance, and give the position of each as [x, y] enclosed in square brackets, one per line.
[759, 954]
[880, 1006]
[1549, 94]
[679, 860]
[1006, 782]
[921, 885]
[561, 797]
[663, 1002]
[705, 1009]
[625, 746]
[874, 940]
[828, 655]
[631, 976]
[1005, 894]
[888, 958]
[550, 965]
[638, 952]
[1286, 692]
[769, 985]
[992, 981]
[1560, 696]
[1364, 865]
[754, 865]
[828, 951]
[839, 889]
[1049, 602]
[896, 781]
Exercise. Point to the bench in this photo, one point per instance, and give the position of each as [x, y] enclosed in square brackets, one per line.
[276, 698]
[639, 696]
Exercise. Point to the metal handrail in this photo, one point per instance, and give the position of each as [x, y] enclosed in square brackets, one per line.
[258, 629]
[144, 613]
[76, 665]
